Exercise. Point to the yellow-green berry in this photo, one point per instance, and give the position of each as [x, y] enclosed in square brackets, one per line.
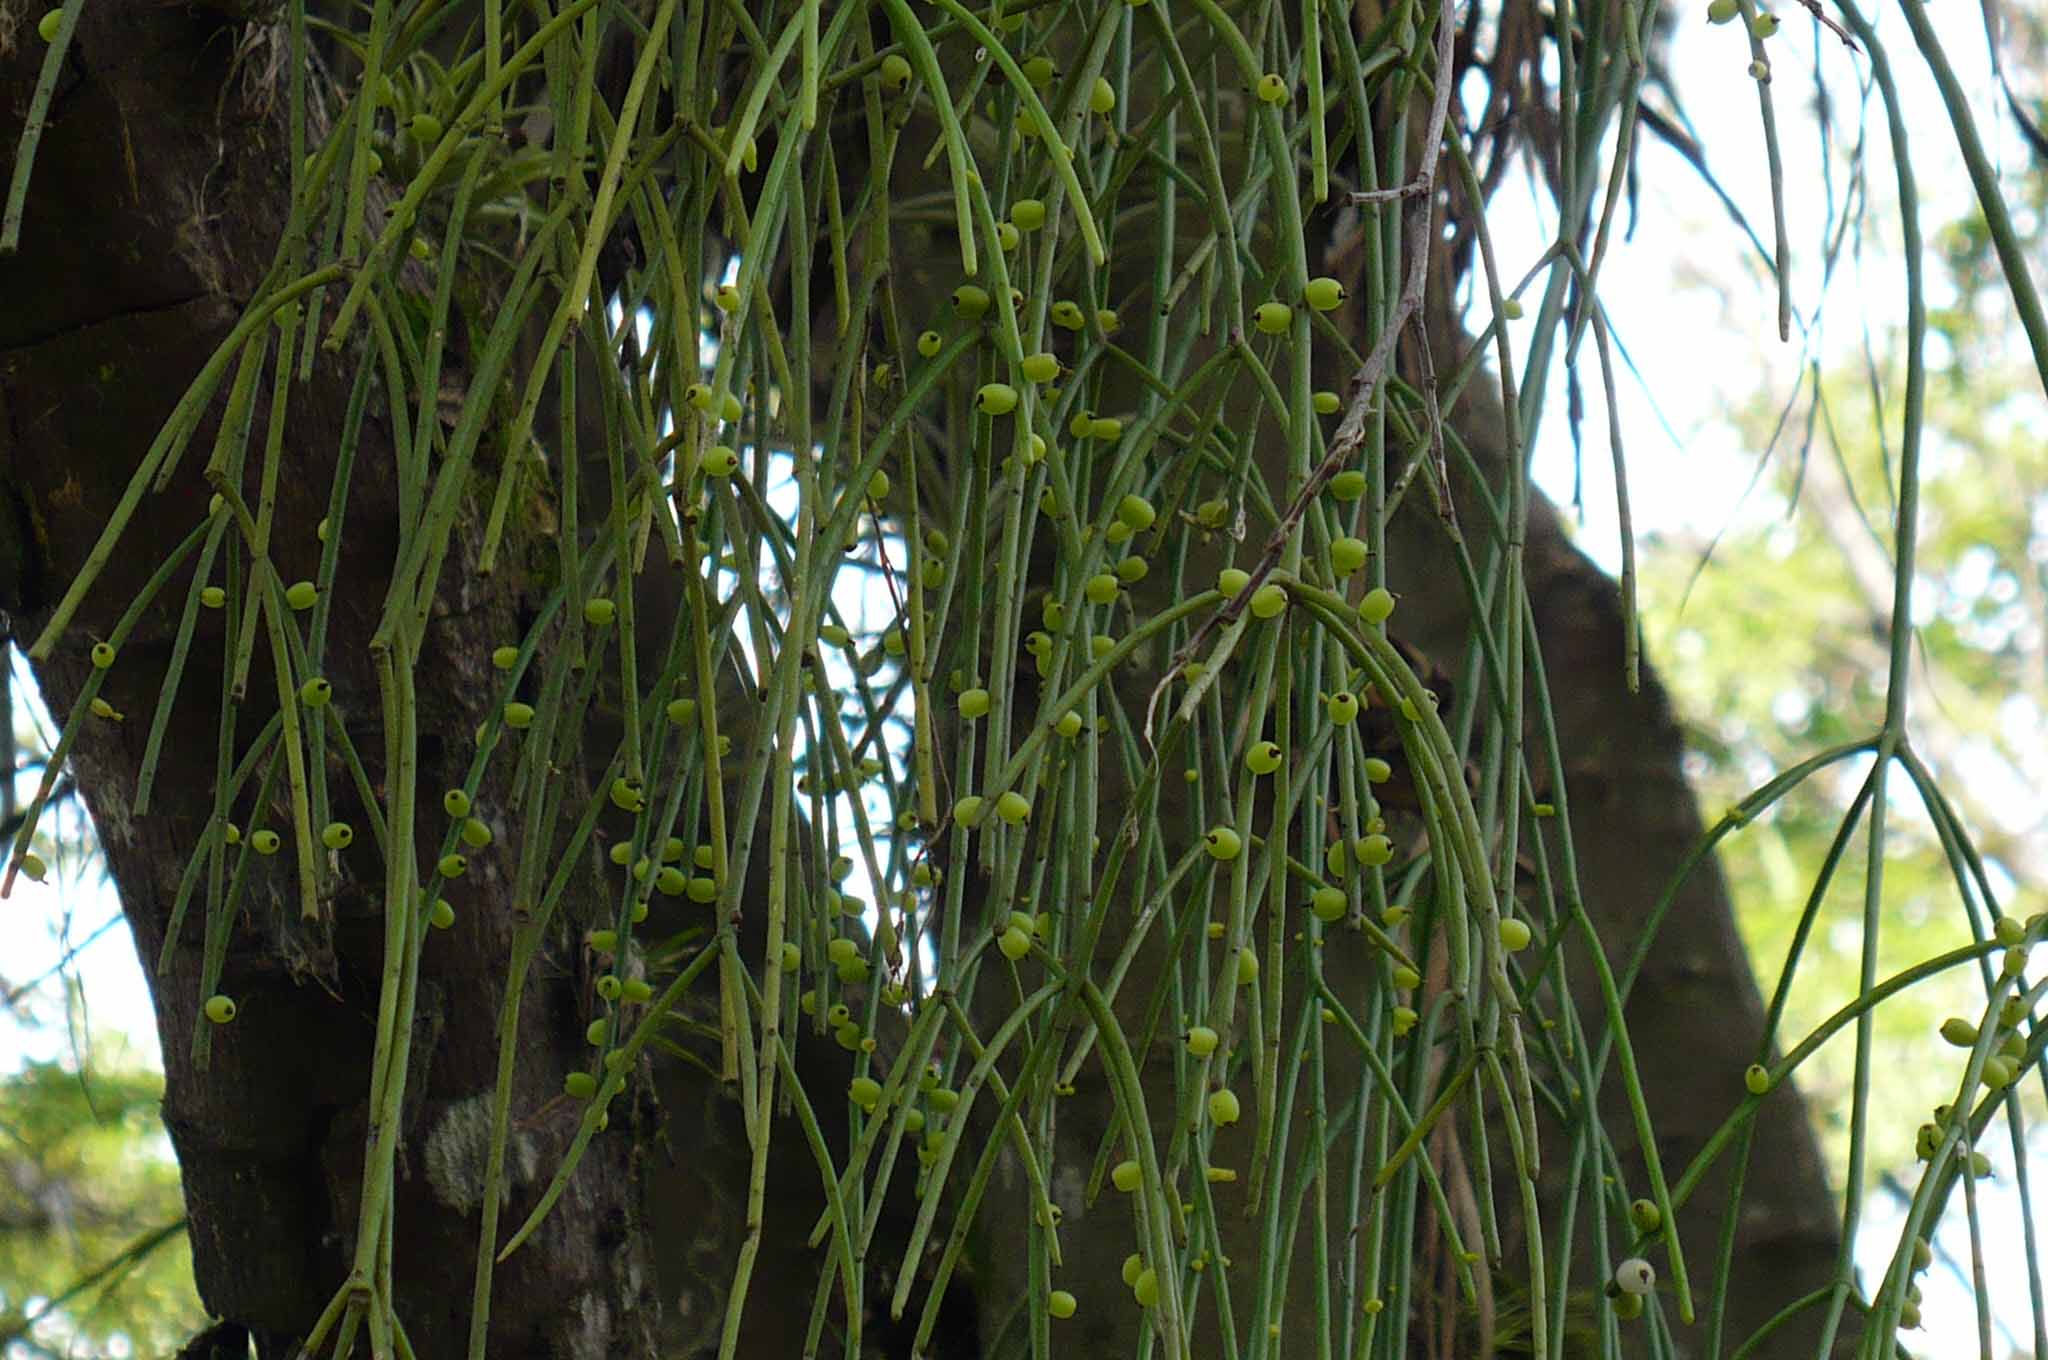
[1272, 89]
[1328, 904]
[1269, 601]
[1514, 934]
[1757, 1078]
[301, 594]
[1061, 1304]
[1348, 485]
[970, 301]
[1014, 808]
[337, 835]
[102, 655]
[1377, 606]
[599, 612]
[996, 399]
[1342, 707]
[1324, 294]
[1263, 758]
[1223, 1107]
[1202, 1041]
[1101, 96]
[316, 693]
[1348, 555]
[1223, 843]
[974, 703]
[47, 26]
[1232, 581]
[1273, 318]
[894, 73]
[220, 1009]
[266, 842]
[213, 597]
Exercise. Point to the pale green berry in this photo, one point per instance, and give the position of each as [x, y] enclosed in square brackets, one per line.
[1757, 1078]
[1760, 71]
[1068, 315]
[1723, 11]
[681, 712]
[974, 703]
[1999, 1072]
[1247, 967]
[266, 842]
[865, 1092]
[1008, 238]
[316, 693]
[1133, 569]
[1348, 555]
[1269, 601]
[301, 594]
[1105, 429]
[48, 26]
[928, 343]
[1014, 942]
[1137, 512]
[102, 655]
[1374, 851]
[1511, 308]
[1028, 213]
[1342, 707]
[1404, 1018]
[1263, 758]
[1202, 1041]
[1134, 1266]
[425, 128]
[1272, 89]
[1764, 25]
[1404, 978]
[599, 612]
[603, 941]
[1223, 843]
[505, 657]
[33, 866]
[1377, 606]
[1042, 367]
[453, 865]
[1959, 1032]
[1635, 1276]
[1101, 96]
[1325, 403]
[1068, 725]
[1061, 1304]
[894, 73]
[1273, 318]
[580, 1085]
[337, 835]
[1013, 807]
[996, 399]
[476, 834]
[1039, 71]
[455, 803]
[1102, 588]
[1223, 1107]
[1328, 904]
[213, 597]
[1324, 294]
[220, 1009]
[703, 890]
[1126, 1176]
[1377, 771]
[1514, 934]
[967, 810]
[1348, 485]
[1646, 1216]
[1232, 581]
[970, 301]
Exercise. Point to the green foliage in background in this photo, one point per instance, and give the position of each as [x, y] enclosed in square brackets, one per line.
[90, 1214]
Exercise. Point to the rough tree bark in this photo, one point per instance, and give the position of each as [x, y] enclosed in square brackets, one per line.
[158, 192]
